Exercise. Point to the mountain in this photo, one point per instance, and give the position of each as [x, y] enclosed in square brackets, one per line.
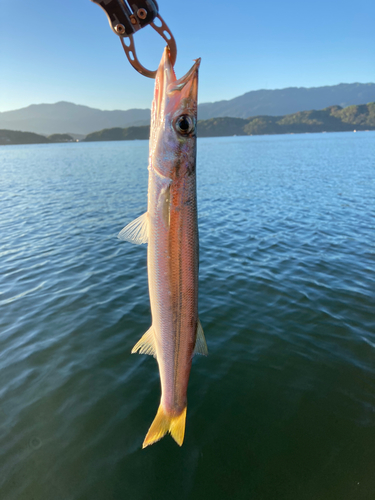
[119, 134]
[64, 117]
[331, 119]
[15, 137]
[8, 137]
[288, 101]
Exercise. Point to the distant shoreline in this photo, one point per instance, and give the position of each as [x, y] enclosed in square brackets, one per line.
[353, 118]
[199, 137]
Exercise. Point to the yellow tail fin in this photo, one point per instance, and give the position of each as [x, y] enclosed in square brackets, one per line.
[164, 423]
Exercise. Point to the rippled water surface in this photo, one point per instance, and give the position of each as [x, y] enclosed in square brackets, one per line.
[284, 406]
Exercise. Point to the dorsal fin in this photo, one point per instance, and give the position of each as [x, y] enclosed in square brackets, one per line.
[200, 343]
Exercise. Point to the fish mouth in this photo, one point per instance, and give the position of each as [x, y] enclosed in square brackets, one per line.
[188, 84]
[169, 90]
[165, 75]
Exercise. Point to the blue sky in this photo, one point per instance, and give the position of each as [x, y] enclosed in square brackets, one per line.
[53, 50]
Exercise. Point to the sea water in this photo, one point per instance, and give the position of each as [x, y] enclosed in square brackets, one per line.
[283, 408]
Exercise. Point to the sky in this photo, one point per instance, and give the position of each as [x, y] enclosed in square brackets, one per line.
[64, 50]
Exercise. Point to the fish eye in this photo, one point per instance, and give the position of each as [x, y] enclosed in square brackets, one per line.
[184, 124]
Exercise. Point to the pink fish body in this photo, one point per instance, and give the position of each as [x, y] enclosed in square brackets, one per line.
[171, 230]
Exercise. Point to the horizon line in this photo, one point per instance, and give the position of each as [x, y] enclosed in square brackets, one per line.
[199, 103]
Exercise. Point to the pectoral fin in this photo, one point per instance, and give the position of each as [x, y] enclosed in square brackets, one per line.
[146, 345]
[200, 343]
[137, 231]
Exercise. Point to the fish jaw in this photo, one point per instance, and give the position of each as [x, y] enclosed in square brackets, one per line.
[165, 75]
[174, 100]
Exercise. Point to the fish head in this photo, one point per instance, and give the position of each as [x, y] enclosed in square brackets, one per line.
[174, 120]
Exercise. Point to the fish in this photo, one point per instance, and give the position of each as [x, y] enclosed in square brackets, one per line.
[170, 228]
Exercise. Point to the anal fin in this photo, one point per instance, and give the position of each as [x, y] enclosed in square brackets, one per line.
[146, 345]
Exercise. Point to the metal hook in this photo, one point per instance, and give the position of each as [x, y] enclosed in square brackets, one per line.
[131, 54]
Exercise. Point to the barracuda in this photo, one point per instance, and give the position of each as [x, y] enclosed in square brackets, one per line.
[171, 230]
